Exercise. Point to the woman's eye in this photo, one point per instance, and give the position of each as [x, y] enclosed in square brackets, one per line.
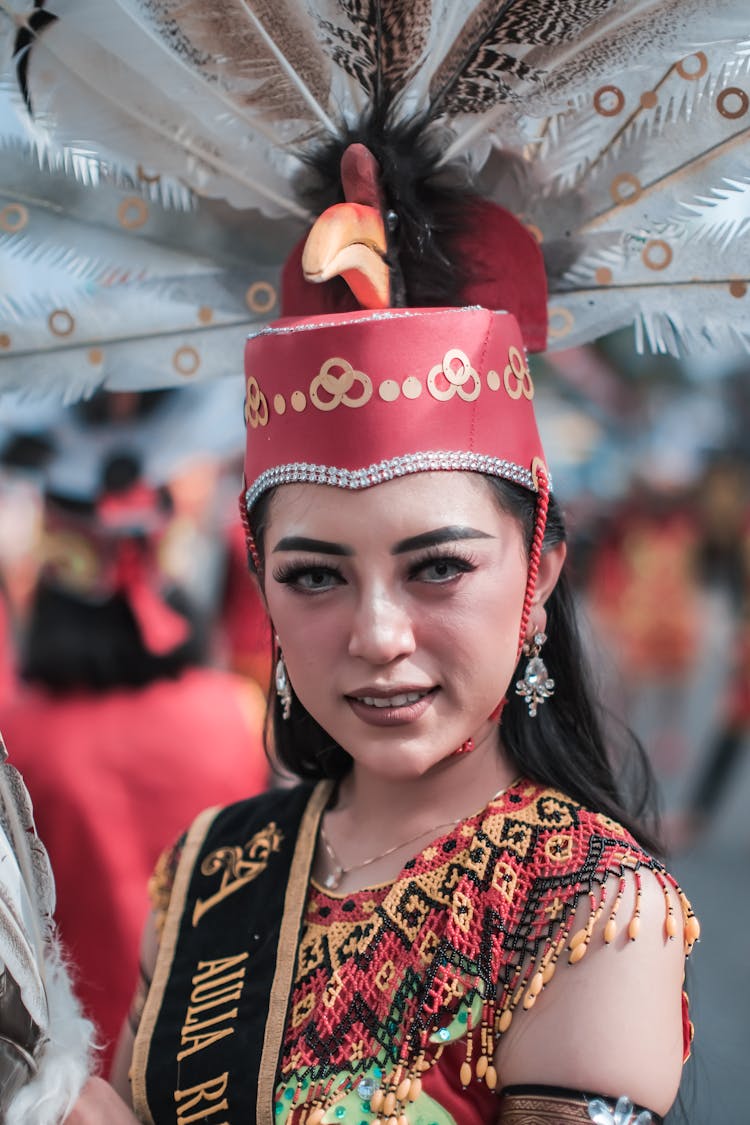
[314, 579]
[442, 570]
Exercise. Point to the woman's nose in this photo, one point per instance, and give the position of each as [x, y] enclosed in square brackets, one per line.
[381, 630]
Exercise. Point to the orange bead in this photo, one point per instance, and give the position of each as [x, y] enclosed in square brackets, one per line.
[389, 1103]
[376, 1101]
[482, 1063]
[415, 1089]
[491, 1077]
[537, 983]
[577, 954]
[670, 926]
[504, 1021]
[402, 1090]
[609, 931]
[634, 928]
[692, 929]
[549, 972]
[578, 939]
[316, 1116]
[465, 1074]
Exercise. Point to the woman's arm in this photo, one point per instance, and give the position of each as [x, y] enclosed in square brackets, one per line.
[612, 1024]
[119, 1074]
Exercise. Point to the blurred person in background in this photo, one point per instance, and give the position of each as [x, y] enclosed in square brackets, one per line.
[723, 568]
[644, 602]
[121, 731]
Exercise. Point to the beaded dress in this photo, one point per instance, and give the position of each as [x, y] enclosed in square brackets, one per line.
[401, 992]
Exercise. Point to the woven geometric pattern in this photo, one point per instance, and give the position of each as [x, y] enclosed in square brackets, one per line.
[472, 928]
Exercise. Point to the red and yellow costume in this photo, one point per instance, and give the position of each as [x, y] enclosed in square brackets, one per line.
[387, 1003]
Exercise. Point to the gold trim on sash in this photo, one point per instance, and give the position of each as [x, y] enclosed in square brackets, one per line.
[193, 844]
[286, 957]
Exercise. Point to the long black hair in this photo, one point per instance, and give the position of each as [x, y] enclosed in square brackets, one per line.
[564, 746]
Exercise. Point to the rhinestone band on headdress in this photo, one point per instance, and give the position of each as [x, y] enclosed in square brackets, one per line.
[297, 473]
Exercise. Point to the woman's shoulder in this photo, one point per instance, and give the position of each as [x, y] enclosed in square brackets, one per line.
[577, 876]
[232, 823]
[276, 801]
[604, 904]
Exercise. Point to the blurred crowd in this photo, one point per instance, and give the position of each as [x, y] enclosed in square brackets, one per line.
[664, 576]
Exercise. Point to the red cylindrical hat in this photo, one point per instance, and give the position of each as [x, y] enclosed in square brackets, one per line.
[354, 399]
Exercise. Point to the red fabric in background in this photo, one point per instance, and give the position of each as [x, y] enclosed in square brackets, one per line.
[245, 631]
[114, 779]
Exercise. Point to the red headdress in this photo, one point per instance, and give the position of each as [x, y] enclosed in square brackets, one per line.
[354, 398]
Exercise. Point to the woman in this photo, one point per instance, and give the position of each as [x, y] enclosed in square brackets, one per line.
[395, 944]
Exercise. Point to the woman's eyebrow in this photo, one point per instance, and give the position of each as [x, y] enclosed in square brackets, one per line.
[413, 543]
[316, 546]
[434, 538]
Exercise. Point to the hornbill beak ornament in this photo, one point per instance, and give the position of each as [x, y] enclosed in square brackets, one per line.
[349, 239]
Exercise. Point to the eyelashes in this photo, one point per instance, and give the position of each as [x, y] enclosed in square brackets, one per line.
[448, 557]
[295, 573]
[436, 566]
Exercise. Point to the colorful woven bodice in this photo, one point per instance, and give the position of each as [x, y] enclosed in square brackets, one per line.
[402, 992]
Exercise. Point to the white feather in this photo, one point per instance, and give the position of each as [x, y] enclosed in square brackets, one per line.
[27, 893]
[66, 1060]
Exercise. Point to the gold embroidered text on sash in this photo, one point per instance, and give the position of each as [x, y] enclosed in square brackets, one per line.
[240, 865]
[210, 1015]
[203, 1098]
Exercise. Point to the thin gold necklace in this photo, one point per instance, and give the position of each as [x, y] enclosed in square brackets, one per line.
[334, 877]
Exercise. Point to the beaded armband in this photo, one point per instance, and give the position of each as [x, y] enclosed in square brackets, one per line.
[533, 1105]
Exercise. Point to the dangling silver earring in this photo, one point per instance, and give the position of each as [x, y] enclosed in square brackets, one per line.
[283, 687]
[536, 686]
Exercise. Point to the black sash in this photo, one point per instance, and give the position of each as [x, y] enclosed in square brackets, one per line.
[208, 1045]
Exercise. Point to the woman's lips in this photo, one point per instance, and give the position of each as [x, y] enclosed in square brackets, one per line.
[391, 710]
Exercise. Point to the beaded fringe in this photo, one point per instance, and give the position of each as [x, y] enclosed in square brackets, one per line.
[485, 1023]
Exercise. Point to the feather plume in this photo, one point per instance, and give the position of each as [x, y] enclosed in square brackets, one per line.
[263, 56]
[178, 279]
[382, 45]
[610, 128]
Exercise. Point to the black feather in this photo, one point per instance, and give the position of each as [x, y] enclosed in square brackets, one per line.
[25, 39]
[432, 208]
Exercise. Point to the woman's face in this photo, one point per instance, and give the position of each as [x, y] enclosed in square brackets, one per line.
[398, 611]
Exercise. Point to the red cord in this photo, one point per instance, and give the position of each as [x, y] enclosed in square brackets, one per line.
[535, 554]
[252, 549]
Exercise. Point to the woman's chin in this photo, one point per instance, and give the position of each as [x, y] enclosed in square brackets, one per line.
[405, 763]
